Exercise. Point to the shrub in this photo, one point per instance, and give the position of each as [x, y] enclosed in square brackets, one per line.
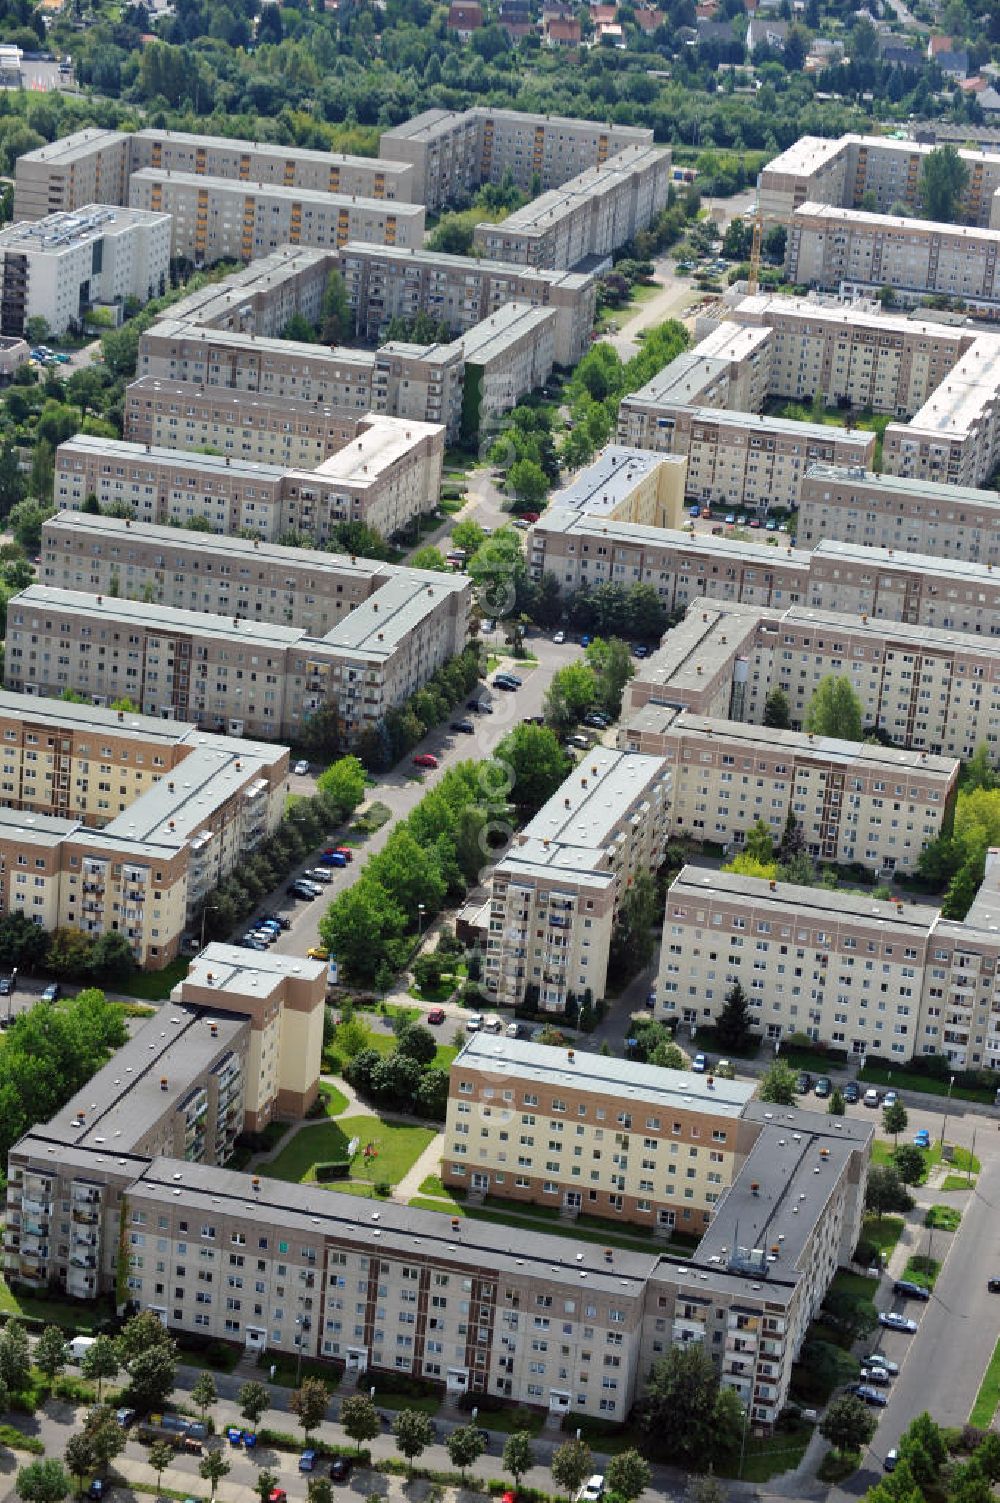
[334, 1169]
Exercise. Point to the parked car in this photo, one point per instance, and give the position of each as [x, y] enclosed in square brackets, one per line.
[465, 726]
[493, 1024]
[340, 1468]
[559, 638]
[891, 1458]
[320, 874]
[890, 1098]
[6, 986]
[480, 706]
[641, 650]
[474, 1022]
[124, 1417]
[824, 1086]
[907, 1289]
[307, 1461]
[96, 1490]
[277, 1495]
[803, 1082]
[597, 719]
[318, 952]
[699, 1064]
[277, 918]
[922, 1138]
[871, 1097]
[993, 1285]
[894, 1322]
[436, 1015]
[301, 767]
[592, 1490]
[579, 741]
[425, 759]
[852, 1093]
[869, 1395]
[333, 858]
[52, 992]
[877, 1375]
[249, 942]
[505, 682]
[879, 1359]
[513, 1030]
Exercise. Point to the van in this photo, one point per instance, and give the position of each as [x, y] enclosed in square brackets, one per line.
[79, 1347]
[870, 1097]
[493, 1024]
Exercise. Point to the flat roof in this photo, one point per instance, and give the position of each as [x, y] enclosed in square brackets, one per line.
[161, 457]
[687, 376]
[536, 216]
[230, 968]
[64, 230]
[245, 188]
[379, 446]
[239, 406]
[472, 265]
[259, 279]
[375, 628]
[804, 744]
[159, 618]
[888, 224]
[559, 519]
[322, 355]
[180, 804]
[815, 905]
[44, 831]
[966, 397]
[622, 1079]
[610, 478]
[902, 485]
[271, 148]
[318, 1212]
[959, 570]
[764, 305]
[494, 335]
[55, 715]
[68, 148]
[903, 635]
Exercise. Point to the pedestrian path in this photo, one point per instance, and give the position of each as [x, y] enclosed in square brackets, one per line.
[429, 1162]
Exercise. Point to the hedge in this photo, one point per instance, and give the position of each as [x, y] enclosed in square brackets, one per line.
[280, 1440]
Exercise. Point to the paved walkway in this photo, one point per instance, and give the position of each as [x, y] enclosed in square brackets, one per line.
[429, 1162]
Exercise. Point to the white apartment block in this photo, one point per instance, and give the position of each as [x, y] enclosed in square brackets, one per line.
[387, 475]
[875, 978]
[693, 1140]
[116, 822]
[218, 219]
[240, 676]
[588, 218]
[384, 282]
[67, 263]
[557, 891]
[507, 355]
[891, 511]
[453, 152]
[858, 172]
[861, 803]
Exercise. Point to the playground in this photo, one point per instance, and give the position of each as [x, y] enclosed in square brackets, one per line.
[379, 1152]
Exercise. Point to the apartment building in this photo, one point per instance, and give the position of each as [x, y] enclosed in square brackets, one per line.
[955, 436]
[386, 282]
[285, 431]
[453, 152]
[115, 821]
[260, 162]
[508, 355]
[62, 266]
[244, 677]
[425, 382]
[88, 167]
[854, 802]
[259, 299]
[218, 219]
[627, 485]
[556, 893]
[876, 172]
[885, 585]
[857, 253]
[898, 513]
[692, 1147]
[589, 217]
[387, 475]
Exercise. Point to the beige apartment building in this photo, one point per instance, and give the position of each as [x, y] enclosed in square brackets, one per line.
[858, 803]
[283, 431]
[384, 282]
[856, 253]
[452, 152]
[217, 219]
[387, 475]
[229, 576]
[120, 822]
[240, 676]
[955, 436]
[686, 1134]
[879, 583]
[508, 355]
[88, 167]
[555, 894]
[858, 172]
[259, 299]
[894, 512]
[589, 217]
[627, 485]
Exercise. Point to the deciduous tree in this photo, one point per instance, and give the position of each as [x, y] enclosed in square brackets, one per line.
[43, 1481]
[212, 1468]
[628, 1475]
[571, 1465]
[413, 1433]
[778, 1084]
[848, 1423]
[464, 1447]
[518, 1455]
[309, 1403]
[835, 709]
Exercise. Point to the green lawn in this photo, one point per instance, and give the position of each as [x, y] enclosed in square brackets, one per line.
[68, 1314]
[156, 986]
[955, 1182]
[921, 1270]
[943, 1218]
[334, 1101]
[396, 1149]
[882, 1234]
[912, 1080]
[988, 1396]
[768, 1456]
[960, 1158]
[856, 1284]
[539, 1220]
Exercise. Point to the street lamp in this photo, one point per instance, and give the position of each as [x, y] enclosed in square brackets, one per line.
[947, 1107]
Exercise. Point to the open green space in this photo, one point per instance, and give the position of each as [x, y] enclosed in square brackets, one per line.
[156, 986]
[767, 1456]
[393, 1148]
[813, 1060]
[959, 1158]
[371, 818]
[943, 1218]
[541, 1220]
[922, 1270]
[988, 1396]
[882, 1234]
[927, 1085]
[66, 1313]
[956, 1182]
[334, 1101]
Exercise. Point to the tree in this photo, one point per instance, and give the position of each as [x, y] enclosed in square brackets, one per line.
[15, 1355]
[309, 1403]
[318, 1490]
[894, 1120]
[152, 1375]
[106, 1436]
[212, 1468]
[613, 667]
[254, 1401]
[778, 1084]
[430, 558]
[464, 1447]
[112, 961]
[944, 178]
[336, 321]
[571, 1465]
[161, 1454]
[50, 1351]
[851, 1314]
[759, 842]
[848, 1423]
[910, 1163]
[571, 693]
[518, 1455]
[43, 1482]
[79, 1457]
[836, 1106]
[922, 1446]
[835, 709]
[536, 763]
[732, 1026]
[680, 1413]
[359, 1418]
[628, 1475]
[529, 483]
[359, 924]
[668, 1057]
[632, 938]
[885, 1191]
[25, 521]
[204, 1394]
[413, 1432]
[100, 1362]
[264, 1484]
[36, 329]
[417, 1042]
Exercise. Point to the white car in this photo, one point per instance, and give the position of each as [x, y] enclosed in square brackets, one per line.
[592, 1490]
[301, 768]
[559, 637]
[474, 1023]
[320, 874]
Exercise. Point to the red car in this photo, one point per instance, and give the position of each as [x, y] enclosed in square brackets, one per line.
[340, 850]
[529, 516]
[278, 1495]
[425, 759]
[436, 1015]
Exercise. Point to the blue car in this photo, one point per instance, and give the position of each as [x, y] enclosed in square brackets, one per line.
[332, 858]
[922, 1138]
[307, 1461]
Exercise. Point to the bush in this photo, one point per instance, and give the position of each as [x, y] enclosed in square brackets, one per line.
[334, 1169]
[281, 1440]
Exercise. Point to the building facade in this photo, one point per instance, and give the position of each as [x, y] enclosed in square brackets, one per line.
[893, 512]
[507, 356]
